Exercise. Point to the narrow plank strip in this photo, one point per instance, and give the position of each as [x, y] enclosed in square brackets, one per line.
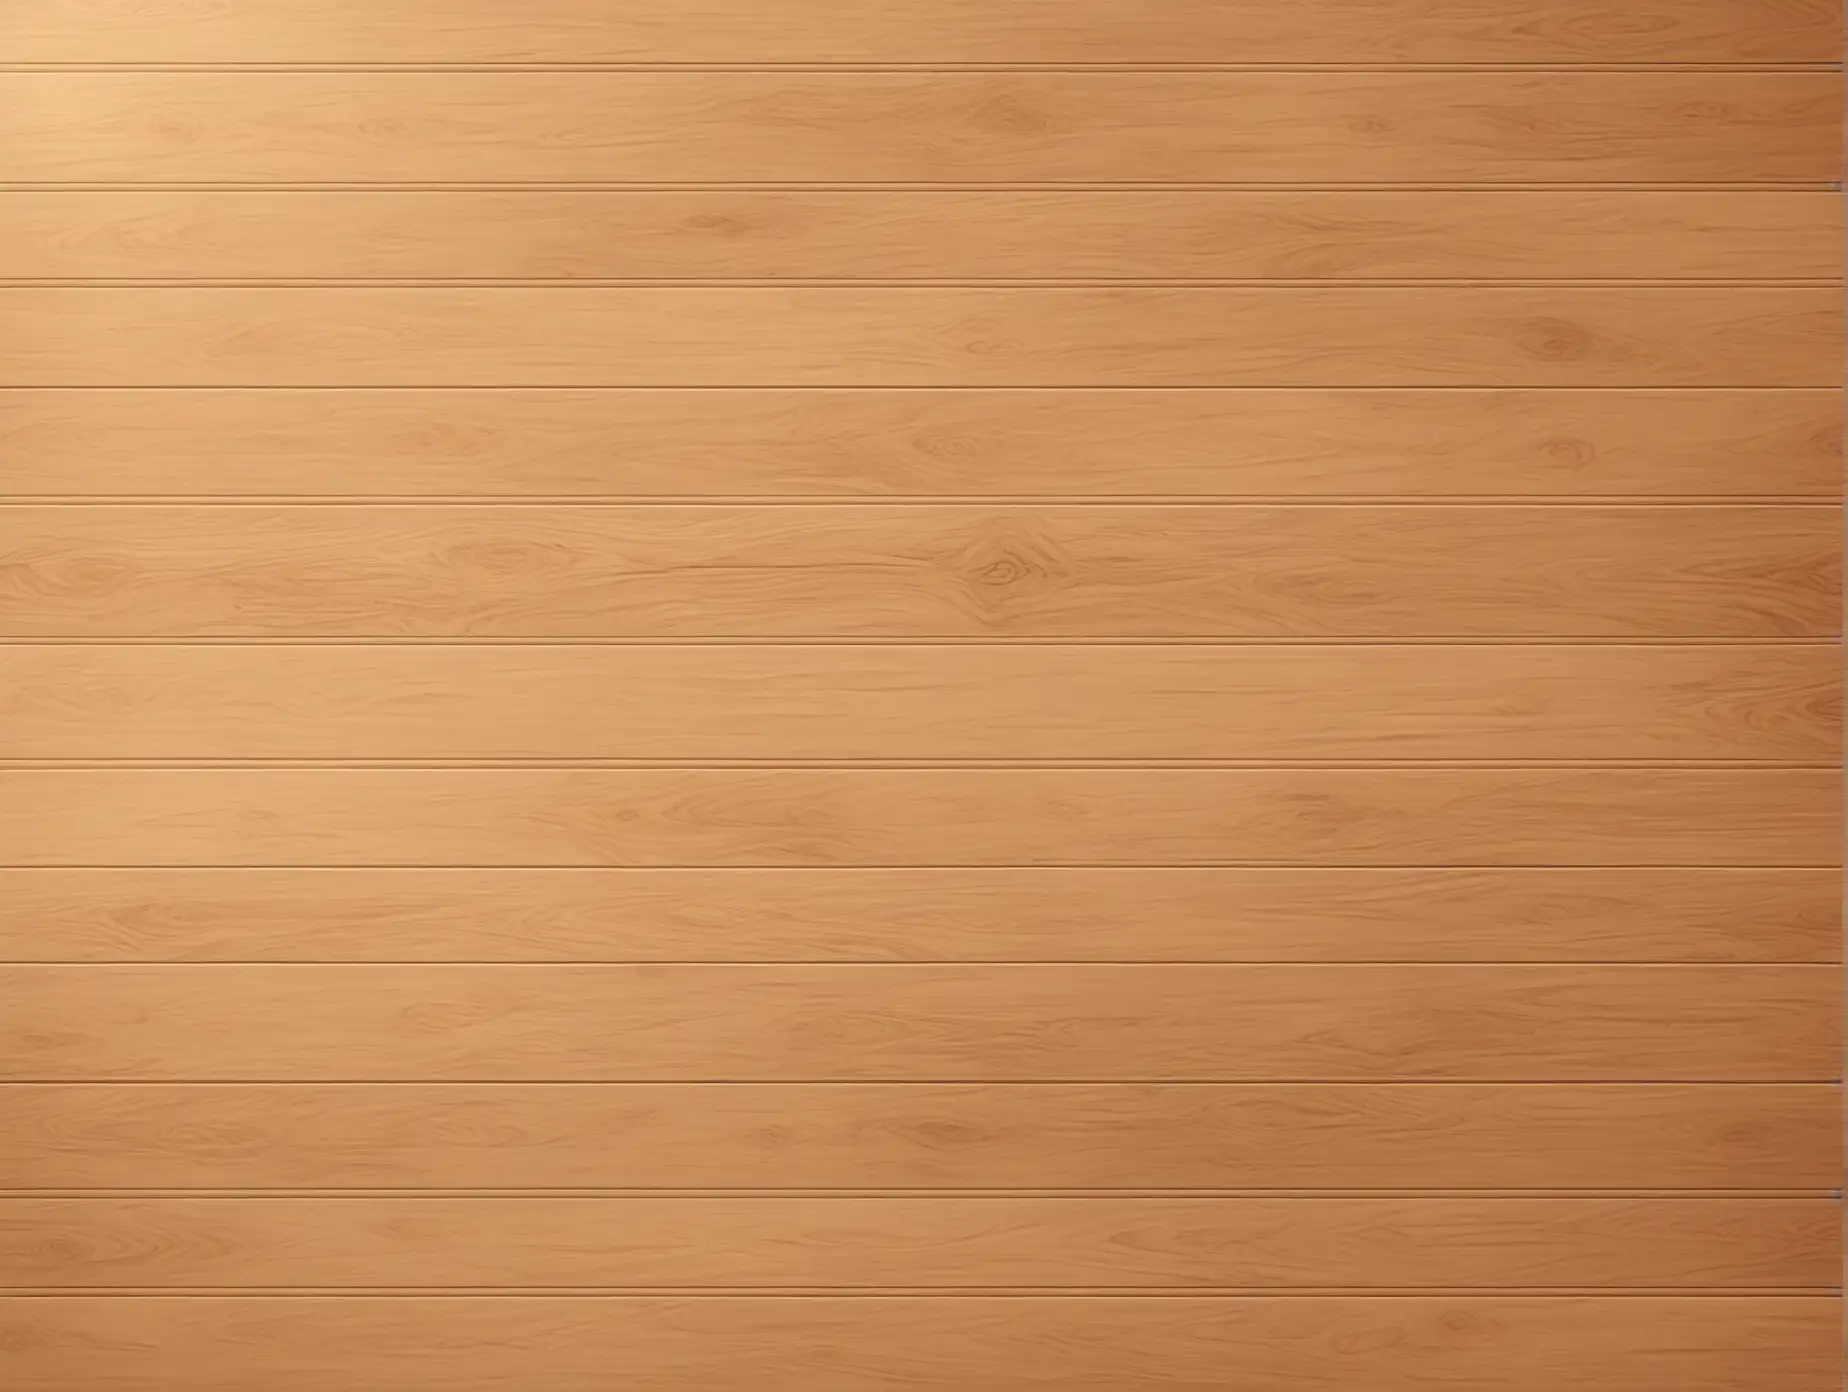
[897, 1343]
[969, 127]
[1350, 445]
[1037, 702]
[865, 1136]
[919, 572]
[907, 1023]
[924, 817]
[921, 336]
[920, 31]
[946, 235]
[939, 1243]
[1226, 915]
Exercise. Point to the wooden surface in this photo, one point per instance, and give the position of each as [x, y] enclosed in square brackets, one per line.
[1170, 1243]
[1034, 1021]
[859, 1137]
[928, 571]
[935, 816]
[666, 1343]
[849, 695]
[921, 336]
[1569, 446]
[1730, 702]
[970, 127]
[1010, 914]
[846, 234]
[922, 31]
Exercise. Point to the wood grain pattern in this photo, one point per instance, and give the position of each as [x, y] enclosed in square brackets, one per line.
[933, 1243]
[1492, 1343]
[920, 817]
[1049, 694]
[921, 31]
[869, 1136]
[870, 702]
[943, 234]
[916, 1022]
[939, 127]
[921, 336]
[919, 572]
[974, 915]
[900, 445]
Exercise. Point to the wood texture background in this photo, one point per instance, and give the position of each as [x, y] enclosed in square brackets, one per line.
[856, 696]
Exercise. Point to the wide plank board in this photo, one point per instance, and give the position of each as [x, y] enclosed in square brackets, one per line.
[919, 572]
[1363, 701]
[871, 1136]
[1170, 1244]
[695, 817]
[915, 1022]
[909, 235]
[758, 127]
[1488, 1343]
[970, 915]
[920, 31]
[903, 444]
[920, 336]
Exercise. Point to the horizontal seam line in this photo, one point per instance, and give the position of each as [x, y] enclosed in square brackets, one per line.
[1180, 1194]
[1729, 502]
[924, 866]
[1834, 1084]
[926, 964]
[1383, 67]
[664, 283]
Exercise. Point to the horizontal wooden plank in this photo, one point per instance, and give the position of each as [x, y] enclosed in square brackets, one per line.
[1016, 1022]
[1154, 915]
[1363, 701]
[1254, 443]
[897, 234]
[919, 572]
[935, 1243]
[921, 336]
[1491, 1343]
[868, 1136]
[925, 817]
[920, 31]
[929, 127]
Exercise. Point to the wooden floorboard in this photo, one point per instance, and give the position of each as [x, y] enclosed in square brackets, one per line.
[856, 1137]
[922, 31]
[1040, 571]
[1017, 914]
[885, 1343]
[1724, 702]
[917, 1022]
[856, 234]
[1569, 446]
[921, 336]
[1167, 1244]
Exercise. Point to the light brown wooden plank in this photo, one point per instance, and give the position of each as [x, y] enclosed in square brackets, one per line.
[869, 1136]
[1488, 1343]
[1364, 701]
[925, 817]
[920, 31]
[938, 571]
[935, 1243]
[931, 127]
[1350, 445]
[1071, 914]
[937, 235]
[921, 336]
[1017, 1022]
